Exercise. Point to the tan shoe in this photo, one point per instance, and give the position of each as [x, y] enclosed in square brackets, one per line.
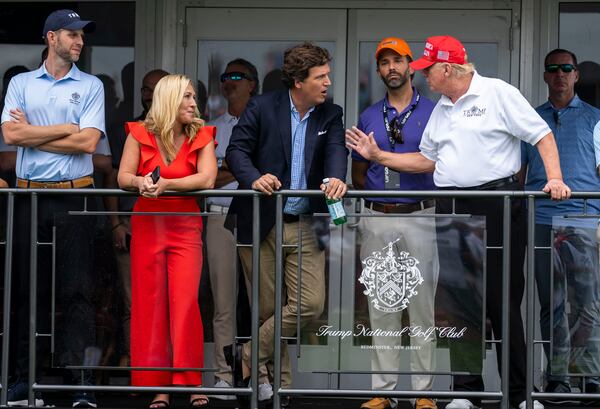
[425, 403]
[377, 403]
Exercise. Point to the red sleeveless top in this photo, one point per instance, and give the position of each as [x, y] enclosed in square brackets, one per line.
[183, 165]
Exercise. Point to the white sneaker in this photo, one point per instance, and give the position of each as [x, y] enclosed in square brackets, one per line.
[25, 403]
[536, 405]
[222, 384]
[265, 391]
[461, 404]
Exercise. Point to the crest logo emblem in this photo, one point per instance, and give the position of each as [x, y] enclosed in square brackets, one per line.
[474, 111]
[390, 279]
[75, 98]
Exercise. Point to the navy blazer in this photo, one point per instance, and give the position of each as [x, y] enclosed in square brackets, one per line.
[261, 142]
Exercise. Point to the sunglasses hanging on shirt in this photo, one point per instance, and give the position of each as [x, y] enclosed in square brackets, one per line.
[566, 68]
[394, 127]
[556, 116]
[234, 76]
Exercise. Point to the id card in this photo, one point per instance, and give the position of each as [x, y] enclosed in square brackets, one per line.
[391, 178]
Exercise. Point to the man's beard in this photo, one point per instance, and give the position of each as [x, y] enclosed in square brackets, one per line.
[396, 83]
[65, 54]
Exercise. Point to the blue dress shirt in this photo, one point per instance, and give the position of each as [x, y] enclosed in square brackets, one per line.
[298, 205]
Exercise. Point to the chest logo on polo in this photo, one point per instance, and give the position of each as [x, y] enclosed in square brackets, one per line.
[75, 98]
[474, 111]
[390, 278]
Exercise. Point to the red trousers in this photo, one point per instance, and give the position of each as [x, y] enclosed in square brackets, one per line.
[166, 262]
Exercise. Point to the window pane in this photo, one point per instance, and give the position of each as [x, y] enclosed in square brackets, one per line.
[579, 29]
[267, 57]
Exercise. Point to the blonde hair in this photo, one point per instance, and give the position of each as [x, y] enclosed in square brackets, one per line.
[460, 70]
[164, 110]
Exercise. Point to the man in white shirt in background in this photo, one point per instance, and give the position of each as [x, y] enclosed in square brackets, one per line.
[239, 83]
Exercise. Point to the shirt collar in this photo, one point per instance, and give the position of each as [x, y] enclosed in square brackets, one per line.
[413, 101]
[228, 117]
[73, 73]
[475, 88]
[295, 112]
[575, 103]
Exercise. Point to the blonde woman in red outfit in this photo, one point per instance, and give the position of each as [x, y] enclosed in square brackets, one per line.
[166, 251]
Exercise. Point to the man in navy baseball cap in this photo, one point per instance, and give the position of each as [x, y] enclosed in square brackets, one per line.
[67, 19]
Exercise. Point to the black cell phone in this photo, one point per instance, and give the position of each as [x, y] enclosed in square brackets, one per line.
[155, 174]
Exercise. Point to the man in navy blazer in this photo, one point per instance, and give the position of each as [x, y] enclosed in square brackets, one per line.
[288, 139]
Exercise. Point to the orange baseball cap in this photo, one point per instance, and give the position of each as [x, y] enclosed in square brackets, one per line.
[395, 44]
[441, 49]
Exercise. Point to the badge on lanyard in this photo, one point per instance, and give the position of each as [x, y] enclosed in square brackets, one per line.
[391, 177]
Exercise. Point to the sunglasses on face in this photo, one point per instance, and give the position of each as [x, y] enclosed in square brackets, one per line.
[552, 68]
[397, 131]
[234, 76]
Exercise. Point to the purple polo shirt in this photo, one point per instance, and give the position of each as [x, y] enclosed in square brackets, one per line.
[371, 120]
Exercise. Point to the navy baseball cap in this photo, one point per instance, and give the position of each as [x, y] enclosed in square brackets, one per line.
[67, 19]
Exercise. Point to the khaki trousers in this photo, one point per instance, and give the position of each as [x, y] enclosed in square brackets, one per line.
[417, 236]
[220, 255]
[312, 289]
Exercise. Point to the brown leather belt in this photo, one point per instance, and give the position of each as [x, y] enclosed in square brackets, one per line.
[65, 184]
[400, 207]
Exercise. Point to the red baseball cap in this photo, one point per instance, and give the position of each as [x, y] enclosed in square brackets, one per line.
[441, 49]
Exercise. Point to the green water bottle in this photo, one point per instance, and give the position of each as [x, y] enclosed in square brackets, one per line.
[336, 208]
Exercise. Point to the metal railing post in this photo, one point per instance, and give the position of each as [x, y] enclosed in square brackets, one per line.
[32, 297]
[10, 212]
[278, 289]
[255, 295]
[530, 294]
[34, 197]
[506, 271]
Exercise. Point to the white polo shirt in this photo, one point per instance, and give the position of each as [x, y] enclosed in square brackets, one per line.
[477, 139]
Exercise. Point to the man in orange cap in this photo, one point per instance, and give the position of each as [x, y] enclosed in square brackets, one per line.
[472, 142]
[397, 122]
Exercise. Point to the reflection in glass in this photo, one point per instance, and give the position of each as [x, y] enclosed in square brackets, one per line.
[579, 24]
[575, 315]
[266, 55]
[404, 314]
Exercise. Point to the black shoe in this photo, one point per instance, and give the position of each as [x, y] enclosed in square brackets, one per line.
[591, 388]
[84, 400]
[234, 360]
[559, 387]
[18, 393]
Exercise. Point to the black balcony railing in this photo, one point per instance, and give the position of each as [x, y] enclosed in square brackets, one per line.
[505, 196]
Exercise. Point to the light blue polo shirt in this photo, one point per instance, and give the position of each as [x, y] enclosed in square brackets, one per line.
[573, 129]
[77, 98]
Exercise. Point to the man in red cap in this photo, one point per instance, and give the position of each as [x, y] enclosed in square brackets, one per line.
[397, 122]
[472, 142]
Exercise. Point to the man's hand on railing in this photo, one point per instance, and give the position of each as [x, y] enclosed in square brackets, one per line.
[267, 183]
[335, 189]
[557, 189]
